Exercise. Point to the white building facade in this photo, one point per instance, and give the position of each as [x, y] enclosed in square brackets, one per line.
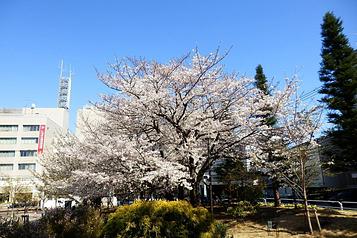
[25, 134]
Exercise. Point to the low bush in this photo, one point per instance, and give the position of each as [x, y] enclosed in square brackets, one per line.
[265, 204]
[217, 230]
[242, 209]
[141, 219]
[162, 219]
[286, 205]
[298, 205]
[79, 222]
[13, 228]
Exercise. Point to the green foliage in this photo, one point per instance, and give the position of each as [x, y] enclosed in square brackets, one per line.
[338, 74]
[23, 197]
[141, 219]
[243, 209]
[265, 204]
[159, 219]
[262, 84]
[286, 205]
[299, 205]
[80, 222]
[239, 183]
[251, 193]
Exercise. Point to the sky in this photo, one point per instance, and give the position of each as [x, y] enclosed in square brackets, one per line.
[283, 36]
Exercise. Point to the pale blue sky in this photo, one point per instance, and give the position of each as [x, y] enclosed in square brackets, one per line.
[283, 36]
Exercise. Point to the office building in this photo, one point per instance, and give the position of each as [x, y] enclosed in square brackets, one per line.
[25, 134]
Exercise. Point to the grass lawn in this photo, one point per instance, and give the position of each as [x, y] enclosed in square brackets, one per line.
[291, 223]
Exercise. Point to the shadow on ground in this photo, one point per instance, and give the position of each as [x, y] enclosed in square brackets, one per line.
[334, 223]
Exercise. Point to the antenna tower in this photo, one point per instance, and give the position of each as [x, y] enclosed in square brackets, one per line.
[64, 92]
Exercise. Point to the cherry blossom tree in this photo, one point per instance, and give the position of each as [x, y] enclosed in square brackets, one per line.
[293, 141]
[164, 125]
[299, 131]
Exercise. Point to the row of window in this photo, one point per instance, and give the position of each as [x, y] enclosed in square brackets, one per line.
[23, 153]
[13, 140]
[9, 167]
[16, 127]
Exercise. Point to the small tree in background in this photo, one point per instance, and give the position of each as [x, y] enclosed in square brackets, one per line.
[238, 182]
[338, 74]
[299, 132]
[294, 142]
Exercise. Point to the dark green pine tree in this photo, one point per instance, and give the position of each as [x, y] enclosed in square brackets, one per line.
[262, 84]
[269, 119]
[338, 74]
[261, 80]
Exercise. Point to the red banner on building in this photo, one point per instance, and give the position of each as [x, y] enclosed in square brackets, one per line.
[41, 139]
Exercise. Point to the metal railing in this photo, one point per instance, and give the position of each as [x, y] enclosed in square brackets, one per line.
[341, 205]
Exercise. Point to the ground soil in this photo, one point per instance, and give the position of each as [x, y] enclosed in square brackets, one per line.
[290, 222]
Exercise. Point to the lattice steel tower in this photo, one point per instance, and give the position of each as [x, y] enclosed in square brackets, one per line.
[64, 92]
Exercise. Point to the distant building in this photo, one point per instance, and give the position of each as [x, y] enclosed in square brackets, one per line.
[328, 179]
[25, 133]
[87, 117]
[317, 176]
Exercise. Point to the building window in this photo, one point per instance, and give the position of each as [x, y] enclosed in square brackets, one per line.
[31, 166]
[6, 167]
[7, 141]
[31, 127]
[8, 127]
[7, 153]
[29, 140]
[28, 153]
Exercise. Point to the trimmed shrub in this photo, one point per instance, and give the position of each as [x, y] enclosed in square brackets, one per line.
[160, 219]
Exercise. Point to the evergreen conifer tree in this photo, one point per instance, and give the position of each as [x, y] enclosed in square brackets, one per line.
[338, 74]
[260, 79]
[262, 84]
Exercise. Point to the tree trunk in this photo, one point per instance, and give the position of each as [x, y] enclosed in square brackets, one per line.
[277, 201]
[181, 193]
[194, 194]
[194, 182]
[210, 192]
[303, 185]
[307, 213]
